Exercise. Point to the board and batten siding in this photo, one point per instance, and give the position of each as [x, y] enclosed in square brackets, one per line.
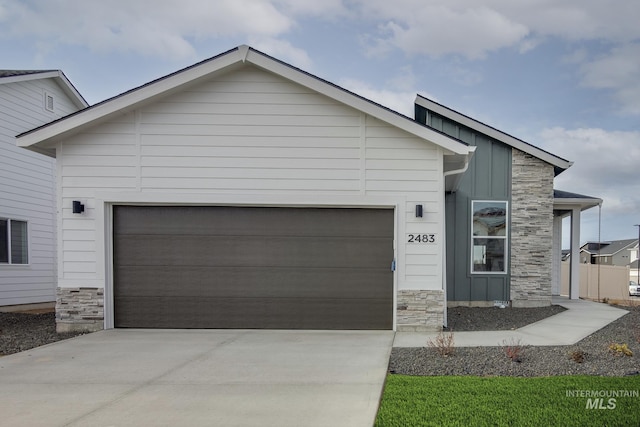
[251, 133]
[27, 188]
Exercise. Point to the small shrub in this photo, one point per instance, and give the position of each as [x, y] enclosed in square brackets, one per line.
[513, 349]
[620, 349]
[605, 300]
[443, 343]
[578, 356]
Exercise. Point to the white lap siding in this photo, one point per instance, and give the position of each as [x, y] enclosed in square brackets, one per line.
[249, 134]
[27, 187]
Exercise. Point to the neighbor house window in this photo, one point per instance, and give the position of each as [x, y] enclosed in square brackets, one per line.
[13, 242]
[489, 237]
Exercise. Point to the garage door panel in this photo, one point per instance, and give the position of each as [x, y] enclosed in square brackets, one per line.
[254, 313]
[253, 221]
[239, 267]
[258, 282]
[253, 251]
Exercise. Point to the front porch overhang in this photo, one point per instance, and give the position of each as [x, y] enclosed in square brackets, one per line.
[568, 204]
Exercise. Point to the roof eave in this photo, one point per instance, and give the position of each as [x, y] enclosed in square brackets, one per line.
[71, 91]
[560, 164]
[123, 102]
[190, 75]
[583, 204]
[346, 97]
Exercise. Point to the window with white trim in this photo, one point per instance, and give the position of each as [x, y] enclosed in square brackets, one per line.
[489, 236]
[14, 246]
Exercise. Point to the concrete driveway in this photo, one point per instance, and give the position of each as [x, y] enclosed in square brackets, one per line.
[198, 378]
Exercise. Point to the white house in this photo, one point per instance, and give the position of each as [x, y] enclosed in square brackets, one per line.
[27, 185]
[242, 192]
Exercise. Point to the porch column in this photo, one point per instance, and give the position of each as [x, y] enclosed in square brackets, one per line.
[556, 266]
[574, 277]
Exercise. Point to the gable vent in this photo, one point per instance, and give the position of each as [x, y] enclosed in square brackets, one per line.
[48, 102]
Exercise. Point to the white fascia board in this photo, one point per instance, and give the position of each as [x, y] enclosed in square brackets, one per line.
[120, 103]
[31, 76]
[494, 133]
[144, 94]
[368, 107]
[71, 91]
[584, 204]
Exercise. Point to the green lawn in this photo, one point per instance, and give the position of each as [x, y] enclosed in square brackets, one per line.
[507, 401]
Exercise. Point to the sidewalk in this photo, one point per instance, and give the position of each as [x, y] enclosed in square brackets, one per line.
[581, 319]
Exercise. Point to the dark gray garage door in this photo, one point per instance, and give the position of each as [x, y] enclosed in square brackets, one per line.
[252, 267]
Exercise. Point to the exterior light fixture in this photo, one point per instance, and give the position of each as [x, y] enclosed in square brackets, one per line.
[78, 207]
[418, 211]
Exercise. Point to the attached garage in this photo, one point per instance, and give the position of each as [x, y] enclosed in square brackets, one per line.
[242, 192]
[253, 267]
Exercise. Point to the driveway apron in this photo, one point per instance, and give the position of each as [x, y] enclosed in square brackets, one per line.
[133, 377]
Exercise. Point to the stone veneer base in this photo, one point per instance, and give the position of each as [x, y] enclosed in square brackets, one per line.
[420, 310]
[79, 309]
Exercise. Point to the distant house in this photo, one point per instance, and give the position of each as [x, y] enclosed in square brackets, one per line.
[615, 252]
[28, 99]
[242, 192]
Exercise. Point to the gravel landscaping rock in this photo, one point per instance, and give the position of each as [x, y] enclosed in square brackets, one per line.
[24, 331]
[496, 319]
[537, 361]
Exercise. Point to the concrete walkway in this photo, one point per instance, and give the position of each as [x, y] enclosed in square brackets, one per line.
[581, 319]
[127, 377]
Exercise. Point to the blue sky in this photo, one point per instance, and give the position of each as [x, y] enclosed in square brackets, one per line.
[563, 75]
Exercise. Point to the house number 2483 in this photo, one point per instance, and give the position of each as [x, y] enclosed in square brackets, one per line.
[421, 238]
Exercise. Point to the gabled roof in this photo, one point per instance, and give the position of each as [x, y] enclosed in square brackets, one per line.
[558, 163]
[12, 76]
[613, 247]
[41, 138]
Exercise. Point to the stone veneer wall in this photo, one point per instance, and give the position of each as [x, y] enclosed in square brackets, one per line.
[79, 309]
[531, 230]
[420, 310]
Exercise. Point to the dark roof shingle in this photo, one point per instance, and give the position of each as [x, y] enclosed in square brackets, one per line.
[14, 73]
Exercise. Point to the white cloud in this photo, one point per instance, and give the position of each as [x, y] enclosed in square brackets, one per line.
[437, 30]
[464, 27]
[156, 28]
[283, 50]
[619, 71]
[327, 8]
[606, 164]
[401, 102]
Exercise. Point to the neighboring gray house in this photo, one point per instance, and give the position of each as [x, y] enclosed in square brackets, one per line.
[29, 98]
[242, 192]
[615, 252]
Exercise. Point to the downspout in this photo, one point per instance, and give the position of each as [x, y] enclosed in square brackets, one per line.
[458, 172]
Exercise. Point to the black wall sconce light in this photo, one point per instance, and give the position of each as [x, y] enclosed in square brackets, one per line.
[78, 207]
[418, 211]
